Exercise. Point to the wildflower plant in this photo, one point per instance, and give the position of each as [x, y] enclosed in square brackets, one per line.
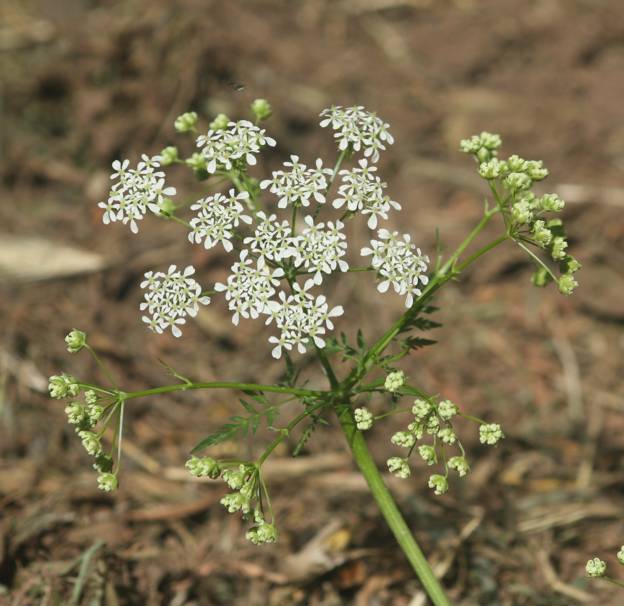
[286, 236]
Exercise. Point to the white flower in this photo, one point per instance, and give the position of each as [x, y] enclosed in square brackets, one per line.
[320, 248]
[249, 287]
[241, 140]
[357, 129]
[169, 298]
[301, 318]
[397, 264]
[138, 190]
[490, 433]
[271, 239]
[361, 190]
[216, 217]
[297, 185]
[620, 555]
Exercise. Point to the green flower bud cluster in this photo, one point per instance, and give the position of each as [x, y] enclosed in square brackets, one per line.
[262, 532]
[433, 419]
[63, 386]
[524, 212]
[246, 496]
[490, 433]
[86, 413]
[436, 420]
[261, 109]
[394, 381]
[186, 122]
[482, 146]
[597, 568]
[75, 340]
[203, 467]
[363, 418]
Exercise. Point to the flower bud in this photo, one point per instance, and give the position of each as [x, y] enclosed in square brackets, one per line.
[490, 169]
[438, 483]
[490, 433]
[541, 277]
[421, 409]
[91, 442]
[460, 465]
[567, 284]
[201, 467]
[535, 169]
[398, 467]
[447, 435]
[541, 234]
[551, 203]
[262, 109]
[169, 155]
[558, 248]
[220, 122]
[620, 555]
[394, 381]
[595, 567]
[428, 454]
[75, 340]
[447, 410]
[186, 122]
[107, 482]
[516, 182]
[363, 418]
[196, 161]
[404, 439]
[62, 386]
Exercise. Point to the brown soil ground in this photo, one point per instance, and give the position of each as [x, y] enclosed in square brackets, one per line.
[85, 82]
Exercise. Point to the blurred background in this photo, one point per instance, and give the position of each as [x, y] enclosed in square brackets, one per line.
[86, 82]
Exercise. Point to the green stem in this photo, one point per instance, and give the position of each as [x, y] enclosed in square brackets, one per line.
[221, 385]
[389, 508]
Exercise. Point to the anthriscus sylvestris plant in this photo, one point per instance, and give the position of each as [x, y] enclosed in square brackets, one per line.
[286, 236]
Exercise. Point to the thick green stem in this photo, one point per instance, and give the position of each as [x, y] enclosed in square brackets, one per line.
[389, 508]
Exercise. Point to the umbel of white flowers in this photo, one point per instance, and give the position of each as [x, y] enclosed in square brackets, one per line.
[280, 262]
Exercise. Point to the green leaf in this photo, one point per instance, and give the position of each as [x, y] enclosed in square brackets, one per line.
[236, 427]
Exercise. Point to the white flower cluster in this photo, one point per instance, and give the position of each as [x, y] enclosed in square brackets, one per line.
[357, 129]
[271, 239]
[249, 287]
[297, 185]
[320, 248]
[137, 190]
[216, 217]
[397, 264]
[222, 148]
[363, 191]
[276, 249]
[301, 318]
[169, 298]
